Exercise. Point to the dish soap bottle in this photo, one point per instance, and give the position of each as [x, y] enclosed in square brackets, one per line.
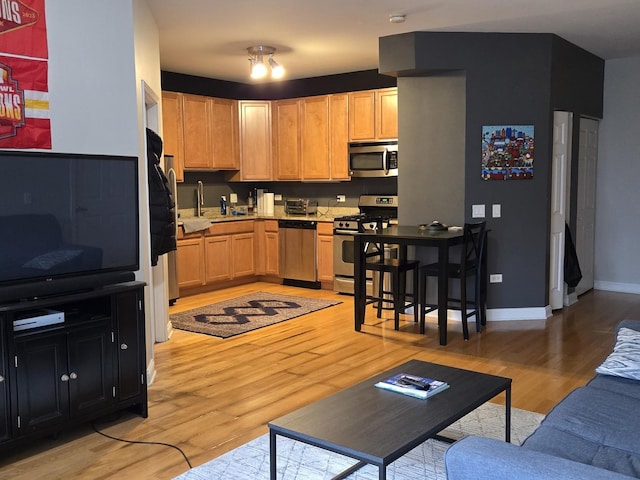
[223, 205]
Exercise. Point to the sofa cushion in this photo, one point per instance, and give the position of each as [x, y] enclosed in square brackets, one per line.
[621, 385]
[593, 426]
[624, 361]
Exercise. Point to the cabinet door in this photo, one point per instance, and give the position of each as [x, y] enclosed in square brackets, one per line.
[130, 347]
[172, 138]
[271, 254]
[217, 254]
[387, 113]
[91, 376]
[325, 252]
[255, 140]
[362, 125]
[314, 138]
[339, 136]
[197, 133]
[4, 390]
[243, 259]
[286, 139]
[42, 381]
[224, 133]
[190, 258]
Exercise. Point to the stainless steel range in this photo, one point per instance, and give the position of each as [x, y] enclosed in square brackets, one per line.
[376, 211]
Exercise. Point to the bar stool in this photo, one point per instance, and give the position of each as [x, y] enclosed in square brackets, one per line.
[472, 263]
[397, 269]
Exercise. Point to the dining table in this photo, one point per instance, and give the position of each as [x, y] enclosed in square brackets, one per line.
[404, 236]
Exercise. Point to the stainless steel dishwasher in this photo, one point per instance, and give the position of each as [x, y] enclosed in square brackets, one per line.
[297, 252]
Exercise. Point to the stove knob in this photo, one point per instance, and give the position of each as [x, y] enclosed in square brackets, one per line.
[340, 225]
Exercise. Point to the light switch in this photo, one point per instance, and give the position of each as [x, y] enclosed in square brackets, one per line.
[233, 197]
[477, 211]
[496, 210]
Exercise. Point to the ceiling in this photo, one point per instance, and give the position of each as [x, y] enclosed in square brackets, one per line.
[323, 37]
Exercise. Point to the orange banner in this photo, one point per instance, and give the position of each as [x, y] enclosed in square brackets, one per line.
[23, 29]
[24, 104]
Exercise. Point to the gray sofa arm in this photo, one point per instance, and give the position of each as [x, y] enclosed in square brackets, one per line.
[479, 458]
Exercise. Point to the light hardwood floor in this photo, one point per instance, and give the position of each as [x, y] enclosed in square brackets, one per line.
[211, 395]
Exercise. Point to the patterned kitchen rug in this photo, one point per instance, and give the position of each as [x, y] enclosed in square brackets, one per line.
[246, 313]
[298, 461]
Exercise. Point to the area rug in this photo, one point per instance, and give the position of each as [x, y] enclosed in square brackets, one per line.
[297, 461]
[246, 313]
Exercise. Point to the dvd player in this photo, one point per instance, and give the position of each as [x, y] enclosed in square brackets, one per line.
[37, 318]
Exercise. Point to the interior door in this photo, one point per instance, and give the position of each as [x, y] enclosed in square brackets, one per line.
[559, 194]
[585, 219]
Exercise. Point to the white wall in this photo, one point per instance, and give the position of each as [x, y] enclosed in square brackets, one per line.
[617, 256]
[99, 54]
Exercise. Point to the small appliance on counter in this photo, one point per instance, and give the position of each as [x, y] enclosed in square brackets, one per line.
[300, 206]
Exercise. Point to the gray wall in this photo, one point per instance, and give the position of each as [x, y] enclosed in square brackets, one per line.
[510, 79]
[431, 141]
[617, 261]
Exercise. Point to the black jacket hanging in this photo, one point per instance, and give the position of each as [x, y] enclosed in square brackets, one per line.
[161, 204]
[572, 272]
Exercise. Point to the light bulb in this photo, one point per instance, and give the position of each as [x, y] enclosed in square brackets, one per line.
[258, 69]
[277, 71]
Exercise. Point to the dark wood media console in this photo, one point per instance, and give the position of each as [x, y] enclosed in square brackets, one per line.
[92, 363]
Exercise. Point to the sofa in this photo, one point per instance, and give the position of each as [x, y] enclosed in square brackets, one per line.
[593, 433]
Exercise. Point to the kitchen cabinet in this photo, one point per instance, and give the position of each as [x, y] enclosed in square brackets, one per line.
[286, 139]
[210, 133]
[217, 257]
[325, 252]
[314, 135]
[229, 250]
[373, 115]
[190, 256]
[255, 142]
[267, 247]
[62, 374]
[172, 133]
[197, 133]
[339, 136]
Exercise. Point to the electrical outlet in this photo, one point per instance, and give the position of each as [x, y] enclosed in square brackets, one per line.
[233, 198]
[495, 278]
[341, 198]
[277, 197]
[496, 210]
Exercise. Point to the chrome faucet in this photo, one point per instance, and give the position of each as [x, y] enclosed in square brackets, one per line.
[199, 199]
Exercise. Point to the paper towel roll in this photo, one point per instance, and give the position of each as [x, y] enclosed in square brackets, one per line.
[269, 200]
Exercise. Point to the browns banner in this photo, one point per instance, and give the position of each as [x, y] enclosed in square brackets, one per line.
[24, 91]
[24, 103]
[23, 29]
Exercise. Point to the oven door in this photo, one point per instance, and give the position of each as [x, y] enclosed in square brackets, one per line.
[343, 264]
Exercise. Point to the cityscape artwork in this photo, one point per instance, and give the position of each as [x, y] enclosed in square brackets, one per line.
[507, 152]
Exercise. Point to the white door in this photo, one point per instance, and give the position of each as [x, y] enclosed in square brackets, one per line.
[559, 193]
[585, 219]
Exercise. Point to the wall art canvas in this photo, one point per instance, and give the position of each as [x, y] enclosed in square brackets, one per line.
[507, 152]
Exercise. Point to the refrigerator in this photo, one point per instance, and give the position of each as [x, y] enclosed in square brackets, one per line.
[172, 257]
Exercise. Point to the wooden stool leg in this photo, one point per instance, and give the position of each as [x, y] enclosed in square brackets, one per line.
[422, 301]
[380, 292]
[463, 307]
[398, 299]
[416, 282]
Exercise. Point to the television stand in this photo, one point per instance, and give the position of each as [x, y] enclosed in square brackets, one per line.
[82, 357]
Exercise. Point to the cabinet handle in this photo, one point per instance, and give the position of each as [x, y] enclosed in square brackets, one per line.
[124, 346]
[1, 379]
[64, 378]
[73, 375]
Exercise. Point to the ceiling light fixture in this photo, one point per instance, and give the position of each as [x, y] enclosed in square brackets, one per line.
[397, 18]
[259, 67]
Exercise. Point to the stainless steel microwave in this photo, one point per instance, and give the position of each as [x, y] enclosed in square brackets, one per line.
[373, 159]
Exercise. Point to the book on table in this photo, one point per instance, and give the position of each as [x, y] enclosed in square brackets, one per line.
[413, 385]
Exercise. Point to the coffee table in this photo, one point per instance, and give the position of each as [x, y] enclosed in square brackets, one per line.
[377, 426]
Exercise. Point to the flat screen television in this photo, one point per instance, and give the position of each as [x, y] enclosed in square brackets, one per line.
[67, 222]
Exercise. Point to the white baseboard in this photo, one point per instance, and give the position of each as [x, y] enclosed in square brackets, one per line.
[504, 314]
[151, 372]
[617, 287]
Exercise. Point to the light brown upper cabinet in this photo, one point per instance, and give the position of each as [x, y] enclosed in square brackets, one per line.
[173, 143]
[373, 115]
[314, 138]
[255, 141]
[339, 136]
[286, 139]
[210, 133]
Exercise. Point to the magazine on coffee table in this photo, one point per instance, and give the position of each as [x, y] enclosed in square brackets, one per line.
[413, 385]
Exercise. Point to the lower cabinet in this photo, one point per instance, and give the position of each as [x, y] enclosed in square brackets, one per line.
[325, 252]
[90, 365]
[4, 391]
